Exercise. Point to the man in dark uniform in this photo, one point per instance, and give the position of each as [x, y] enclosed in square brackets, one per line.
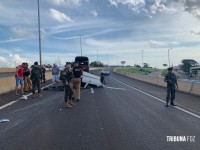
[36, 75]
[67, 76]
[43, 73]
[171, 80]
[77, 72]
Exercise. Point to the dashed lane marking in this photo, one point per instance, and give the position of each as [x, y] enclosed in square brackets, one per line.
[114, 88]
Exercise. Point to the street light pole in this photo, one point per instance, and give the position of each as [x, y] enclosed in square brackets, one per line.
[169, 56]
[97, 59]
[81, 44]
[39, 32]
[142, 57]
[107, 60]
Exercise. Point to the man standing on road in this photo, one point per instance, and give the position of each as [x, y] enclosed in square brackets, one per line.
[172, 85]
[19, 79]
[67, 76]
[36, 75]
[43, 73]
[27, 81]
[55, 73]
[77, 72]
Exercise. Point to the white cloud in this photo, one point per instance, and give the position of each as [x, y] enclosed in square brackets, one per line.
[195, 33]
[21, 32]
[61, 17]
[67, 2]
[191, 6]
[159, 6]
[127, 2]
[94, 13]
[2, 59]
[153, 43]
[141, 6]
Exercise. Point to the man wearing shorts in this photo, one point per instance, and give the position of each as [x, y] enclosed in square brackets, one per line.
[19, 79]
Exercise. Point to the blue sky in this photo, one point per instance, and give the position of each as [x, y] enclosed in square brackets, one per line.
[117, 29]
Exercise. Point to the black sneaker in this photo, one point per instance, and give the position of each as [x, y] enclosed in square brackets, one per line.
[173, 104]
[78, 100]
[166, 105]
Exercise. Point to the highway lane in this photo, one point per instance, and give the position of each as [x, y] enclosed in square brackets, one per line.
[113, 118]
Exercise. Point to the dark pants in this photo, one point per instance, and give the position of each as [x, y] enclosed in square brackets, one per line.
[43, 77]
[34, 84]
[68, 92]
[170, 93]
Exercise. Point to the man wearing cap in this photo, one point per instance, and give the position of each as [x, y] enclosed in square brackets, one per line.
[77, 72]
[67, 76]
[171, 80]
[36, 75]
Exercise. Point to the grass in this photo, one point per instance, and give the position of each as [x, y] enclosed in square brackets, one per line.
[164, 73]
[144, 71]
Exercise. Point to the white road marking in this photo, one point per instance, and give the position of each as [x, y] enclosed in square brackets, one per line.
[10, 103]
[188, 112]
[114, 88]
[4, 120]
[92, 90]
[6, 105]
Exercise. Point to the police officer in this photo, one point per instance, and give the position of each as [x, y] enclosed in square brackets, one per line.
[67, 76]
[36, 75]
[43, 73]
[77, 72]
[171, 80]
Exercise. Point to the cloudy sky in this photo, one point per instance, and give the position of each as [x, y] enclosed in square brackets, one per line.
[117, 29]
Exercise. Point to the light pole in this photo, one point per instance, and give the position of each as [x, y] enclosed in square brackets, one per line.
[81, 44]
[39, 32]
[142, 57]
[169, 56]
[107, 60]
[97, 59]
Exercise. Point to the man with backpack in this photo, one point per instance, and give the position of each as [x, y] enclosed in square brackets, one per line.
[36, 75]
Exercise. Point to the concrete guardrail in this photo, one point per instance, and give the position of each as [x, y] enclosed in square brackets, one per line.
[184, 86]
[8, 83]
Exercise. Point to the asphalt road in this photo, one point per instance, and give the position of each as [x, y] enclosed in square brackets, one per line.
[116, 117]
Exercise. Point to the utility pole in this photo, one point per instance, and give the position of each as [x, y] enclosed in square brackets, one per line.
[142, 58]
[169, 56]
[81, 44]
[39, 32]
[107, 60]
[97, 59]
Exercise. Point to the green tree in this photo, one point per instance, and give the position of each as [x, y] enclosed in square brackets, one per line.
[165, 65]
[49, 66]
[146, 65]
[96, 64]
[187, 64]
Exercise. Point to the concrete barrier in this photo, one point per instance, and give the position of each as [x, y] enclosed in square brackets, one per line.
[8, 83]
[7, 70]
[187, 87]
[195, 89]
